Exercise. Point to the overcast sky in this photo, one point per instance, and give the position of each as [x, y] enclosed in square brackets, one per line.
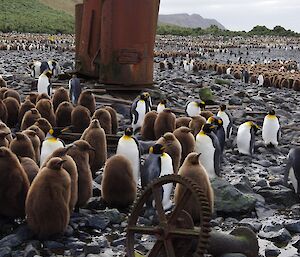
[240, 14]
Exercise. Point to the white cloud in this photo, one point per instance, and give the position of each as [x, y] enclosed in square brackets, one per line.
[240, 14]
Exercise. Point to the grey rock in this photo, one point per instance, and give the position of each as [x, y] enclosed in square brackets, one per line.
[30, 251]
[53, 245]
[272, 251]
[230, 200]
[22, 234]
[279, 195]
[5, 251]
[254, 224]
[235, 101]
[119, 241]
[92, 248]
[292, 226]
[98, 222]
[262, 183]
[233, 255]
[281, 236]
[114, 216]
[75, 245]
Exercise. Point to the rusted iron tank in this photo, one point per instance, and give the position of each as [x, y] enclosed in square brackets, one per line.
[115, 40]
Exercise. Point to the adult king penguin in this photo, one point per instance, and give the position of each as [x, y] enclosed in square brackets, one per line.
[246, 137]
[161, 106]
[128, 146]
[292, 169]
[140, 106]
[193, 108]
[271, 129]
[50, 144]
[219, 130]
[44, 84]
[156, 165]
[208, 146]
[226, 116]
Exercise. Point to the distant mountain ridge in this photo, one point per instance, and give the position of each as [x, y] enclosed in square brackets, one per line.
[188, 21]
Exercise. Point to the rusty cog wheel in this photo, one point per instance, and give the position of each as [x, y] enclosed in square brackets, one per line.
[174, 227]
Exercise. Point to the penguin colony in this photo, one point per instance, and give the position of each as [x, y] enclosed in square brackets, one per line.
[191, 146]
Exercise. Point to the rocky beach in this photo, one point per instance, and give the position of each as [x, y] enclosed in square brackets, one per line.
[251, 190]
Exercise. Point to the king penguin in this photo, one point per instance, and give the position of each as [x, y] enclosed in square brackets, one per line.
[219, 130]
[271, 129]
[44, 85]
[156, 165]
[292, 169]
[128, 146]
[193, 108]
[226, 116]
[50, 144]
[208, 146]
[246, 137]
[161, 106]
[140, 106]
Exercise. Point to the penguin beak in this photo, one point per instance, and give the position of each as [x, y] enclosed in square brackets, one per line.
[198, 155]
[66, 129]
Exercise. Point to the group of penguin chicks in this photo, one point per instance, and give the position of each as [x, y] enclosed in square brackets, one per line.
[190, 146]
[44, 180]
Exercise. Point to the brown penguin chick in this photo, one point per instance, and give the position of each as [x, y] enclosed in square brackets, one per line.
[43, 124]
[147, 130]
[36, 143]
[80, 154]
[60, 95]
[187, 141]
[114, 119]
[206, 114]
[29, 118]
[30, 167]
[183, 122]
[4, 128]
[2, 91]
[42, 96]
[70, 166]
[25, 106]
[196, 124]
[80, 118]
[104, 119]
[38, 131]
[47, 203]
[12, 93]
[192, 169]
[165, 122]
[13, 107]
[118, 184]
[14, 185]
[87, 99]
[32, 97]
[2, 82]
[3, 139]
[45, 108]
[173, 148]
[95, 136]
[3, 111]
[63, 114]
[22, 146]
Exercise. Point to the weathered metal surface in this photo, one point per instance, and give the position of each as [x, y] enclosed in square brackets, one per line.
[88, 42]
[116, 41]
[78, 23]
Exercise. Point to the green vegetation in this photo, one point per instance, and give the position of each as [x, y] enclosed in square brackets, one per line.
[223, 82]
[33, 16]
[166, 29]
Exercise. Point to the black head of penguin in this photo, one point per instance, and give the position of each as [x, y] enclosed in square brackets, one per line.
[271, 112]
[208, 128]
[223, 107]
[128, 131]
[56, 132]
[144, 96]
[202, 105]
[163, 101]
[157, 149]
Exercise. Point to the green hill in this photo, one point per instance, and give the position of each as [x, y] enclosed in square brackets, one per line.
[33, 16]
[67, 6]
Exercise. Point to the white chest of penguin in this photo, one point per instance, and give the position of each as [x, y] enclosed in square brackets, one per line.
[225, 120]
[243, 139]
[193, 109]
[204, 145]
[127, 146]
[48, 147]
[270, 130]
[141, 109]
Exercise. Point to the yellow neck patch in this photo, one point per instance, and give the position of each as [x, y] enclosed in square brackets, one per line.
[52, 139]
[271, 117]
[249, 123]
[164, 155]
[125, 137]
[201, 133]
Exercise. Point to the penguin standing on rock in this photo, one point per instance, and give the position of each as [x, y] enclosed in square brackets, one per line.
[140, 106]
[292, 169]
[156, 165]
[50, 144]
[219, 131]
[271, 129]
[208, 146]
[129, 147]
[226, 116]
[246, 137]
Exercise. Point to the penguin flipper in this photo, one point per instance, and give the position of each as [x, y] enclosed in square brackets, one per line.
[150, 170]
[287, 171]
[278, 134]
[217, 161]
[133, 112]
